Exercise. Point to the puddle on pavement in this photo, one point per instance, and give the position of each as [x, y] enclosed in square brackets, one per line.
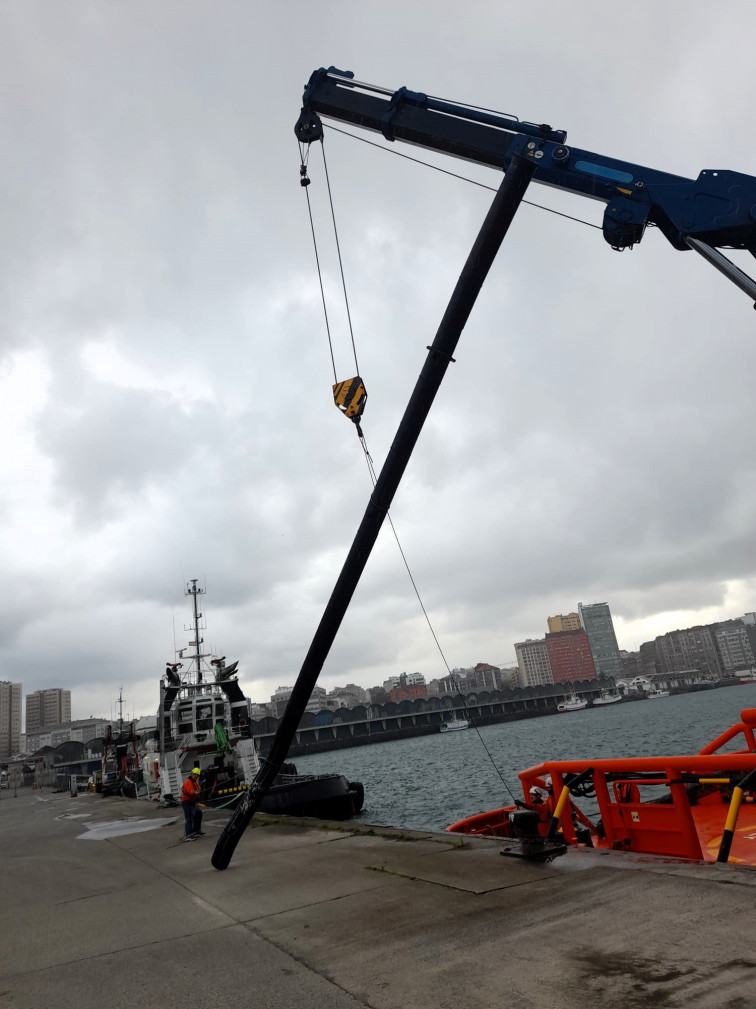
[106, 829]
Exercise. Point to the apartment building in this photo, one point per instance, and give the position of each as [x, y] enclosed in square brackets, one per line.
[47, 707]
[533, 662]
[10, 719]
[570, 656]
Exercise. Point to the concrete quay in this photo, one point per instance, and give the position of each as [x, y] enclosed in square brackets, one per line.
[103, 906]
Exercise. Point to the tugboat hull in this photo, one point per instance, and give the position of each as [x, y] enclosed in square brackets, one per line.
[327, 797]
[324, 796]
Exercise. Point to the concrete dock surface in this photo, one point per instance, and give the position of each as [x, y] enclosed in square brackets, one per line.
[104, 906]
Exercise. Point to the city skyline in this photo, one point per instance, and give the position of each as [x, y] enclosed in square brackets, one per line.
[529, 674]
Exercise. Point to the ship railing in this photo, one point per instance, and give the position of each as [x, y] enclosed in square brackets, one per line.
[744, 727]
[663, 822]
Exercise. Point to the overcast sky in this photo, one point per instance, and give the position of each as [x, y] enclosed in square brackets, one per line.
[165, 377]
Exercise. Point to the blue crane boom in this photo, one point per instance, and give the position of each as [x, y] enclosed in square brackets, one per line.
[715, 211]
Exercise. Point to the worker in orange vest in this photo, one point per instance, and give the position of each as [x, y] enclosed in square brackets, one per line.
[191, 805]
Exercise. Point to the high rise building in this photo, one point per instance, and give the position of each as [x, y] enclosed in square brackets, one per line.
[571, 622]
[533, 663]
[570, 656]
[749, 622]
[734, 644]
[596, 620]
[47, 707]
[10, 719]
[648, 659]
[693, 648]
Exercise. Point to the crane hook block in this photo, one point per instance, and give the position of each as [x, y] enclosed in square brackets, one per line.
[350, 397]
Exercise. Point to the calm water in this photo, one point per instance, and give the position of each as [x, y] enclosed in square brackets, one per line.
[428, 782]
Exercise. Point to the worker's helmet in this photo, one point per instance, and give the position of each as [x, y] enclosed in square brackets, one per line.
[196, 770]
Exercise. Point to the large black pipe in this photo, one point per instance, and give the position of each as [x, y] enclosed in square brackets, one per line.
[482, 255]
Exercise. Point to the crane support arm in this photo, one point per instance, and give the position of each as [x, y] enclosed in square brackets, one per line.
[717, 209]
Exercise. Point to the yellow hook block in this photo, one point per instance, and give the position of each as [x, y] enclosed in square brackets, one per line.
[350, 397]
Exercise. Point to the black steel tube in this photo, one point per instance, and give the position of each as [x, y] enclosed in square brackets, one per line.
[720, 262]
[479, 261]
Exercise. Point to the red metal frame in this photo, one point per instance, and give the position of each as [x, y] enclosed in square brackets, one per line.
[661, 828]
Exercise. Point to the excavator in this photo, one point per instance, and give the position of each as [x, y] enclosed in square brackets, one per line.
[715, 211]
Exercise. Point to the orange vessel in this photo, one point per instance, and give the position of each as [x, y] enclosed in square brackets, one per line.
[696, 807]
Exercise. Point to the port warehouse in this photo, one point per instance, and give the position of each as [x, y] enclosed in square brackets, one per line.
[333, 730]
[366, 724]
[358, 726]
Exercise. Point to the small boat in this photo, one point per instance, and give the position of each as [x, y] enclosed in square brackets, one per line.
[700, 807]
[455, 725]
[655, 692]
[204, 721]
[606, 697]
[572, 703]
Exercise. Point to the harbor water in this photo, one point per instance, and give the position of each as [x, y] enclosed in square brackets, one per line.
[428, 782]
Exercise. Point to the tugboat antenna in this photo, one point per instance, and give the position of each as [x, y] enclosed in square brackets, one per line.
[193, 591]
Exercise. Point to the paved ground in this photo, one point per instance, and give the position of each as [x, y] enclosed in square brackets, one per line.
[316, 916]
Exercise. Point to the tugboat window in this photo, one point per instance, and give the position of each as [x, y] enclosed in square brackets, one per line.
[204, 716]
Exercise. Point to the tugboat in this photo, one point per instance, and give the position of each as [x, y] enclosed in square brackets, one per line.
[204, 721]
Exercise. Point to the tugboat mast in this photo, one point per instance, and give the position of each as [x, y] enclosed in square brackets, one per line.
[193, 591]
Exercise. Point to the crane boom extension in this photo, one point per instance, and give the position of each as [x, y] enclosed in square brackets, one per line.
[716, 210]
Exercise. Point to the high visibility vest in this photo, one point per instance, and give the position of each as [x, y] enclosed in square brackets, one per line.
[191, 790]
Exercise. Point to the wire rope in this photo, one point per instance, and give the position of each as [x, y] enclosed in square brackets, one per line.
[456, 175]
[338, 253]
[471, 720]
[304, 160]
